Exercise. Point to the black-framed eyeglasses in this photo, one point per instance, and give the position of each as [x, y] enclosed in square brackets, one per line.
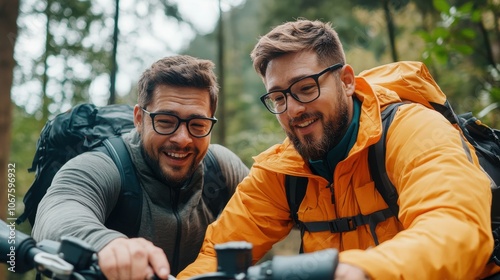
[166, 124]
[304, 90]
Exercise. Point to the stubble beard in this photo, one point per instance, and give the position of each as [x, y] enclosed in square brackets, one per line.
[334, 129]
[166, 178]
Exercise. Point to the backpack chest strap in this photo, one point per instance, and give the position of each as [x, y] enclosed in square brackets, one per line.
[346, 224]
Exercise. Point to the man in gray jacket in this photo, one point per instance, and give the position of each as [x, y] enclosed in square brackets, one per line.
[173, 120]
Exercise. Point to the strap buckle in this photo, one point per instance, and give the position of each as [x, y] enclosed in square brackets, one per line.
[342, 225]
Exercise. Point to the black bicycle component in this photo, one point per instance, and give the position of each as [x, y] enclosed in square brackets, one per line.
[66, 260]
[234, 262]
[73, 259]
[17, 249]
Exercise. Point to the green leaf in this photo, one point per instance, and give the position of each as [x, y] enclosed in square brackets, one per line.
[464, 49]
[468, 33]
[495, 94]
[441, 59]
[466, 8]
[440, 32]
[425, 36]
[442, 5]
[476, 16]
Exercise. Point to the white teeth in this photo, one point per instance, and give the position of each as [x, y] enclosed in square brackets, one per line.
[304, 124]
[176, 155]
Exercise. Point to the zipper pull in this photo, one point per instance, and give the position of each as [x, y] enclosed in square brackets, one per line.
[332, 192]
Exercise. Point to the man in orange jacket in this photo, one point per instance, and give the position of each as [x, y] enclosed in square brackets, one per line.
[331, 117]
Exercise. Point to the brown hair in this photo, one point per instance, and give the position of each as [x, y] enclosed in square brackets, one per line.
[296, 36]
[179, 71]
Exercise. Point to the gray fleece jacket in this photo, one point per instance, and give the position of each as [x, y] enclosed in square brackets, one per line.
[85, 190]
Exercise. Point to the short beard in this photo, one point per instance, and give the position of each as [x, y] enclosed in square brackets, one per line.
[168, 180]
[334, 130]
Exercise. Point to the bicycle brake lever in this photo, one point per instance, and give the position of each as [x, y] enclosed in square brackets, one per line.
[59, 268]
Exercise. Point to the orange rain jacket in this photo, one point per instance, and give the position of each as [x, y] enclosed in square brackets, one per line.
[444, 230]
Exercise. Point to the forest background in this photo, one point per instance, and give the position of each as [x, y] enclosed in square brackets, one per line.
[55, 54]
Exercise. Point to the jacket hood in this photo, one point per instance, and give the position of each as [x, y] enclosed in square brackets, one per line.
[283, 158]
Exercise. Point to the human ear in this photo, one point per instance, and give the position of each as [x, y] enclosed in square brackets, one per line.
[138, 114]
[348, 79]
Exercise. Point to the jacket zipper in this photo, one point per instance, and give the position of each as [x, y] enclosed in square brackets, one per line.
[175, 264]
[332, 192]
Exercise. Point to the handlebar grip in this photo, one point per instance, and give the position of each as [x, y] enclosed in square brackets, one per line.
[319, 265]
[17, 249]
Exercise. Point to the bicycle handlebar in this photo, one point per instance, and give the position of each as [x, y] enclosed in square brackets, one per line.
[74, 259]
[234, 259]
[69, 259]
[17, 249]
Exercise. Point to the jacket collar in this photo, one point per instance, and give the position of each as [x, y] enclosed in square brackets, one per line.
[326, 166]
[283, 158]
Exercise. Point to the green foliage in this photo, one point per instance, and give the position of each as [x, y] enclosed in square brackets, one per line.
[460, 46]
[25, 130]
[449, 36]
[244, 115]
[442, 5]
[70, 62]
[495, 94]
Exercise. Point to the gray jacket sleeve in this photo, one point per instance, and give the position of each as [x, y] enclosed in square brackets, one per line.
[82, 195]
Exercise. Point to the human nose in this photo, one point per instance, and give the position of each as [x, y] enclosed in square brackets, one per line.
[181, 135]
[294, 107]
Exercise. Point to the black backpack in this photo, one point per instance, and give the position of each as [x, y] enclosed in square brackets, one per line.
[87, 127]
[412, 81]
[485, 140]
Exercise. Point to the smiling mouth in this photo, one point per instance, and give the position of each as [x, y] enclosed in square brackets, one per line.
[306, 123]
[177, 155]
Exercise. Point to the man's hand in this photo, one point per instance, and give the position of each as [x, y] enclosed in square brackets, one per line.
[349, 272]
[135, 258]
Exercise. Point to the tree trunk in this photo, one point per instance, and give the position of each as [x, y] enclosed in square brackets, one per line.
[45, 77]
[114, 65]
[222, 98]
[9, 10]
[391, 30]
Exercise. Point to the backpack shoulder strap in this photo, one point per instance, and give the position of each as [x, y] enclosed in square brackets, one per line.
[376, 161]
[295, 188]
[215, 190]
[126, 215]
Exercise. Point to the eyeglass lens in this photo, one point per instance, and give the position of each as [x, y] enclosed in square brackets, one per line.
[168, 124]
[305, 90]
